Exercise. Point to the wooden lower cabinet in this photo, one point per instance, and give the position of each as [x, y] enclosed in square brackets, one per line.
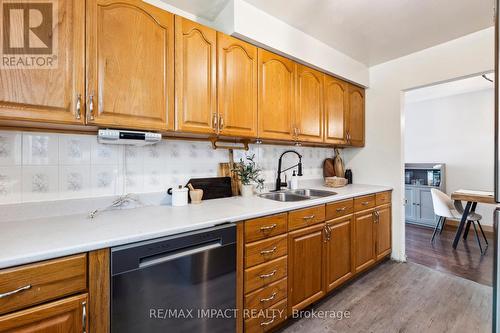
[338, 252]
[66, 315]
[305, 262]
[364, 239]
[384, 222]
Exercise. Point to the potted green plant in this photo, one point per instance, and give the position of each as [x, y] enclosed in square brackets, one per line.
[249, 175]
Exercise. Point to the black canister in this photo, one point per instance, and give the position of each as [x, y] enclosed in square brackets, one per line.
[348, 175]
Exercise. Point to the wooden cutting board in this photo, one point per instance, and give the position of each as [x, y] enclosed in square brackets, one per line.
[328, 168]
[225, 170]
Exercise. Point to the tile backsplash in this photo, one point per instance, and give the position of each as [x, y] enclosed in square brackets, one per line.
[46, 166]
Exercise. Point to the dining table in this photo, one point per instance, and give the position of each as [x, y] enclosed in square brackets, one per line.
[472, 198]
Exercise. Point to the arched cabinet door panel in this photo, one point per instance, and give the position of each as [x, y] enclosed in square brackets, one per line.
[336, 101]
[309, 107]
[51, 89]
[356, 118]
[195, 77]
[130, 59]
[276, 96]
[237, 87]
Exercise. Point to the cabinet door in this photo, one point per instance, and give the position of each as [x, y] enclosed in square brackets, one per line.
[384, 222]
[410, 210]
[305, 255]
[425, 208]
[309, 107]
[50, 94]
[364, 240]
[66, 315]
[195, 77]
[336, 100]
[356, 128]
[237, 87]
[276, 96]
[129, 65]
[338, 267]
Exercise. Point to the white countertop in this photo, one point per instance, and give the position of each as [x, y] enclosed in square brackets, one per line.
[33, 240]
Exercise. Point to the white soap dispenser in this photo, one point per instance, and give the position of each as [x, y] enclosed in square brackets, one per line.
[294, 183]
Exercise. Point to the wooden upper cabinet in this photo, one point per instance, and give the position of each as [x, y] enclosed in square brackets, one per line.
[364, 239]
[356, 118]
[130, 49]
[195, 77]
[309, 107]
[66, 315]
[336, 102]
[383, 231]
[50, 95]
[237, 87]
[276, 96]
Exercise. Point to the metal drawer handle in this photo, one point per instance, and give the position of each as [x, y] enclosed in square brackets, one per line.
[270, 298]
[78, 113]
[341, 209]
[310, 217]
[266, 323]
[84, 317]
[271, 227]
[264, 252]
[265, 276]
[10, 293]
[365, 203]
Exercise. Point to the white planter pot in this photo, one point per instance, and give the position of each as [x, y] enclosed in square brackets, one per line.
[247, 190]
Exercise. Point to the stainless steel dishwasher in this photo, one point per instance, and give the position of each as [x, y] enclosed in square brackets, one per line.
[182, 283]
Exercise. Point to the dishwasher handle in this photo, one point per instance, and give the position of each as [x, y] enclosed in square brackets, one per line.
[134, 256]
[161, 258]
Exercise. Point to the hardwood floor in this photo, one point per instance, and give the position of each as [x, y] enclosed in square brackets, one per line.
[466, 261]
[404, 297]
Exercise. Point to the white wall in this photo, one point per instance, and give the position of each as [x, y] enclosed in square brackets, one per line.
[247, 22]
[456, 130]
[381, 161]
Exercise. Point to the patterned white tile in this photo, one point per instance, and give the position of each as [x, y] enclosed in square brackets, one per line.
[134, 154]
[154, 178]
[74, 181]
[10, 148]
[104, 154]
[103, 179]
[134, 178]
[10, 184]
[40, 183]
[74, 149]
[40, 149]
[153, 154]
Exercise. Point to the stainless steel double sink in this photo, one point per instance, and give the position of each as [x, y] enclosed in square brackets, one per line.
[296, 195]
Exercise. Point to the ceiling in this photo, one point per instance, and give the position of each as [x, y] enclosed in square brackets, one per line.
[457, 87]
[374, 32]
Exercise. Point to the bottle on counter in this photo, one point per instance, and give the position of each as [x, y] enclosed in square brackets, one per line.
[348, 176]
[294, 183]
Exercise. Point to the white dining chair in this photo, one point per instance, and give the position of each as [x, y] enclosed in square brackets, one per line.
[445, 208]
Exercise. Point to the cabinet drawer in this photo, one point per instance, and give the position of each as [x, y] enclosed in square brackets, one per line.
[364, 202]
[383, 198]
[339, 208]
[265, 227]
[64, 315]
[267, 296]
[268, 319]
[265, 250]
[305, 217]
[36, 283]
[262, 275]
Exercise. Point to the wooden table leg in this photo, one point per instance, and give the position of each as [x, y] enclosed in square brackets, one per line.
[462, 223]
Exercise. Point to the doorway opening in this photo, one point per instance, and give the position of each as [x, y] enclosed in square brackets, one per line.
[449, 146]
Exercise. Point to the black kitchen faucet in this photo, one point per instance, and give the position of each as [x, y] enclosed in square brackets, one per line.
[298, 165]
